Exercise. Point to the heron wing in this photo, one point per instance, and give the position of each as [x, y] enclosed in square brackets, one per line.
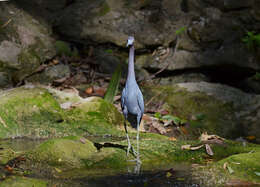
[123, 99]
[140, 101]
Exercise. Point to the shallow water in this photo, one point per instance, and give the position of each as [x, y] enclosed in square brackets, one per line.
[162, 178]
[169, 176]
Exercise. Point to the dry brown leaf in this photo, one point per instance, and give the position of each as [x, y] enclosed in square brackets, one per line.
[89, 90]
[184, 130]
[251, 137]
[8, 168]
[158, 127]
[55, 61]
[225, 165]
[100, 91]
[209, 150]
[147, 118]
[172, 139]
[206, 137]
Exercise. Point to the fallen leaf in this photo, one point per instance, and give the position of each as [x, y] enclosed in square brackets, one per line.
[230, 170]
[205, 137]
[100, 91]
[184, 130]
[147, 118]
[209, 150]
[89, 90]
[250, 137]
[58, 170]
[55, 61]
[225, 165]
[168, 174]
[82, 140]
[8, 168]
[172, 139]
[66, 105]
[159, 127]
[257, 173]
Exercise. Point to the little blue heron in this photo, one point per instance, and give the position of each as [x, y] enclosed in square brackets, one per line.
[132, 102]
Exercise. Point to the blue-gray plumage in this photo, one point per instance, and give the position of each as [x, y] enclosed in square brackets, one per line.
[132, 102]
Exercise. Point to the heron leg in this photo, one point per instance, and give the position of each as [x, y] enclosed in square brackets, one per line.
[130, 147]
[137, 139]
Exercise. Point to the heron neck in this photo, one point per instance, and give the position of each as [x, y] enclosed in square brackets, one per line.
[131, 69]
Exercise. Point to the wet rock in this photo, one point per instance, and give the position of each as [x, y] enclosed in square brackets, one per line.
[25, 42]
[189, 77]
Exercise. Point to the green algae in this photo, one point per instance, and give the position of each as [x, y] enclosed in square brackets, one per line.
[104, 9]
[18, 181]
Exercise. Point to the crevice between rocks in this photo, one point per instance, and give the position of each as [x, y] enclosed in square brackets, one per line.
[223, 74]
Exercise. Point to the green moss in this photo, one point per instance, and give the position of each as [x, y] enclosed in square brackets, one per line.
[65, 152]
[36, 113]
[17, 181]
[218, 116]
[104, 9]
[244, 165]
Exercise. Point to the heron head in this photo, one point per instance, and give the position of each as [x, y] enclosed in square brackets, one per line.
[130, 41]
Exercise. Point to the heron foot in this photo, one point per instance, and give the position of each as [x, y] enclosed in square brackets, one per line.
[136, 160]
[130, 147]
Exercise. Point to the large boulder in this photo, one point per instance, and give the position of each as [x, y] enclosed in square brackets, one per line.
[111, 21]
[213, 34]
[25, 42]
[42, 112]
[215, 108]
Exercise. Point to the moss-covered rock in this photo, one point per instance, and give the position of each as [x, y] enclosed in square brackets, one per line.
[18, 181]
[215, 108]
[34, 112]
[243, 167]
[65, 152]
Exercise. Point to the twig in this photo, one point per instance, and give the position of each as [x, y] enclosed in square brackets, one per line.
[164, 56]
[6, 23]
[152, 99]
[2, 121]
